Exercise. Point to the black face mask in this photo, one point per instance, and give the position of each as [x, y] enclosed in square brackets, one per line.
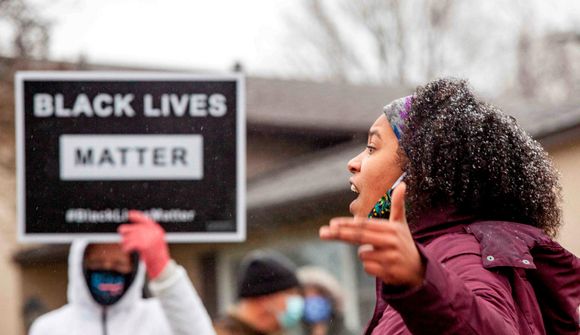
[107, 287]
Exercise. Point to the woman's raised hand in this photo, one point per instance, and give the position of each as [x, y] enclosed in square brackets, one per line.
[386, 247]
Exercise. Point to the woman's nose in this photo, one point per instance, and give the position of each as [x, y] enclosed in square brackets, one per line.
[353, 165]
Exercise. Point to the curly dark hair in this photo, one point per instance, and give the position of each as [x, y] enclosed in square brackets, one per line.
[463, 152]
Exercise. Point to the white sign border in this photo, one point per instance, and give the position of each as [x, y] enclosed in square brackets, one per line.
[202, 237]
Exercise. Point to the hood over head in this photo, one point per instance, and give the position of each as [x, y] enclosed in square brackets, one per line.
[78, 291]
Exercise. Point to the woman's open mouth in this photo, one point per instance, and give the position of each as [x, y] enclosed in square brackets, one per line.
[353, 188]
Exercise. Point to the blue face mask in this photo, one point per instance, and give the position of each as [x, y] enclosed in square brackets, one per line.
[293, 313]
[317, 309]
[107, 287]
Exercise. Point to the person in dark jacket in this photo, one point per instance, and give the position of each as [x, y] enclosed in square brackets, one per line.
[270, 297]
[461, 243]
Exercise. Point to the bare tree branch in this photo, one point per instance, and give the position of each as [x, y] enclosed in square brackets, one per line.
[438, 16]
[383, 23]
[327, 37]
[31, 30]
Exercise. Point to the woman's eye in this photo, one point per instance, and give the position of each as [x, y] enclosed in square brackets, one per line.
[371, 149]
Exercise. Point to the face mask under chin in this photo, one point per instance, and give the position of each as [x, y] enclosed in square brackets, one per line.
[382, 209]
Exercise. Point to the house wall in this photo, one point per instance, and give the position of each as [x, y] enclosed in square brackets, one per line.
[567, 160]
[265, 153]
[10, 279]
[46, 283]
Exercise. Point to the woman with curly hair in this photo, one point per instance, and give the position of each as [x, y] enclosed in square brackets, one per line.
[463, 245]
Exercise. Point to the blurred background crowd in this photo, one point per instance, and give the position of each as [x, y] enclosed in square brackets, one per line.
[318, 73]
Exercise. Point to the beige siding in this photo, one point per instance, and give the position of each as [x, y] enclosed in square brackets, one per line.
[10, 280]
[47, 281]
[567, 160]
[268, 153]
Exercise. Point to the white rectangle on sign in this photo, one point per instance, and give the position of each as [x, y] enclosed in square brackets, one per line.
[131, 157]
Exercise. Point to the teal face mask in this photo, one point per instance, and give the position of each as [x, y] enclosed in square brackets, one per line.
[382, 209]
[292, 316]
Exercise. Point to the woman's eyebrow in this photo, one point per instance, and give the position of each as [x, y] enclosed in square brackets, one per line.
[374, 132]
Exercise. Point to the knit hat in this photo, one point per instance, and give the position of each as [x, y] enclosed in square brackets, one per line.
[397, 112]
[263, 273]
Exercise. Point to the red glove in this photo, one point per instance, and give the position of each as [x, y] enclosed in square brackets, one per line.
[146, 237]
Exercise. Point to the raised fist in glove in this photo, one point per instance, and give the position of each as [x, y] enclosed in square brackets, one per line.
[146, 237]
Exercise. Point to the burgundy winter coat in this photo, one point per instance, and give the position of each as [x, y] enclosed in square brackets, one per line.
[483, 277]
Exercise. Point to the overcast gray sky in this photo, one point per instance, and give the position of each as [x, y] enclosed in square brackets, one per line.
[193, 34]
[213, 34]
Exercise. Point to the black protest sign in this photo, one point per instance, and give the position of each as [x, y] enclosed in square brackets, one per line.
[92, 146]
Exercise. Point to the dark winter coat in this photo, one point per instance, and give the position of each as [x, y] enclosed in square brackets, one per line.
[231, 325]
[483, 277]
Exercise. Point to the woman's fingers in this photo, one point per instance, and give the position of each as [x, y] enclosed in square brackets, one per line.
[359, 234]
[382, 226]
[373, 268]
[380, 233]
[382, 256]
[364, 248]
[325, 234]
[373, 224]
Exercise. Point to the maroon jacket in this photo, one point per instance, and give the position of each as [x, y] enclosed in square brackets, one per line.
[484, 277]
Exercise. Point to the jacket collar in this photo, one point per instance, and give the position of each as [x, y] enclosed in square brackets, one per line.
[502, 243]
[439, 221]
[506, 243]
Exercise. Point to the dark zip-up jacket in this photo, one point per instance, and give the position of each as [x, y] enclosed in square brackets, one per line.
[483, 277]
